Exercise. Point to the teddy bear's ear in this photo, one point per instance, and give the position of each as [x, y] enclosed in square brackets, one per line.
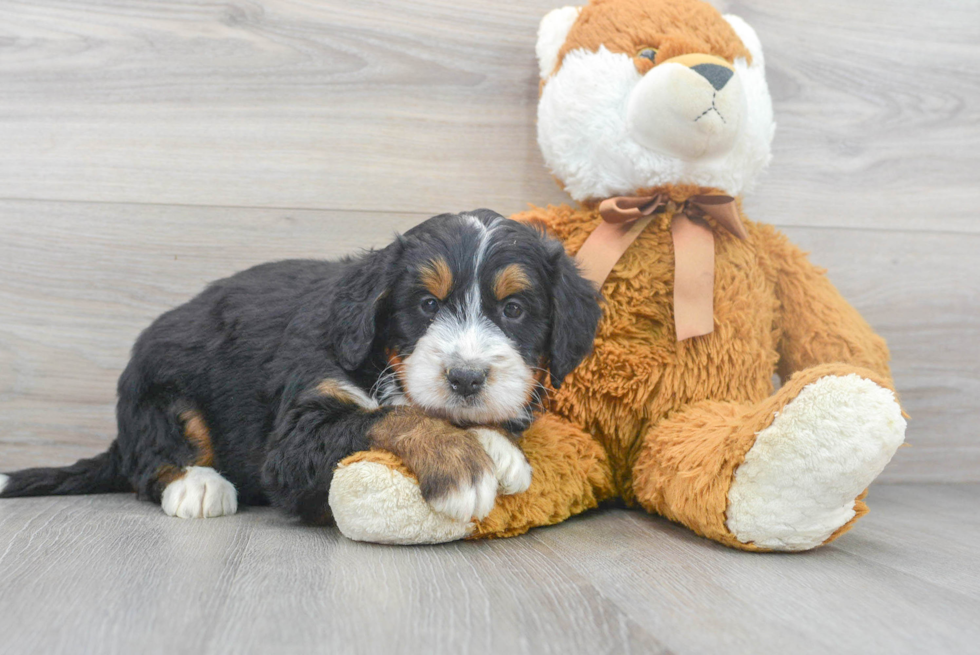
[551, 37]
[749, 38]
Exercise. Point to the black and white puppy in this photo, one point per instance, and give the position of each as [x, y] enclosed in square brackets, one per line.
[433, 348]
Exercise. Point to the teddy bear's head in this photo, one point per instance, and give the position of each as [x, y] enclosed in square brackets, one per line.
[638, 94]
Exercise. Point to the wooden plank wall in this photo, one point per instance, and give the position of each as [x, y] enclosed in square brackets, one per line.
[148, 147]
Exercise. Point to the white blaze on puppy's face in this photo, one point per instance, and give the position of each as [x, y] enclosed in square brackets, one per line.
[463, 338]
[606, 129]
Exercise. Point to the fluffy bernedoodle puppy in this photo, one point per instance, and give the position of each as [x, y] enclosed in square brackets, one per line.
[435, 348]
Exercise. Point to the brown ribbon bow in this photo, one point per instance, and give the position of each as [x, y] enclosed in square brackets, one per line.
[625, 217]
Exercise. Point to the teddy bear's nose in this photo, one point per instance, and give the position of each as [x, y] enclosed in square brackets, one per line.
[717, 75]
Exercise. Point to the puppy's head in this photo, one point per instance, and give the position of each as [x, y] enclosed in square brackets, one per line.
[469, 311]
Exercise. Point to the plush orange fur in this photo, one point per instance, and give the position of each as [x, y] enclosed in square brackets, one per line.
[673, 28]
[676, 418]
[688, 460]
[571, 475]
[379, 456]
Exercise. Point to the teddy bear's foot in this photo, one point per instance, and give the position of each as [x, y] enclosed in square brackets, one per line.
[374, 498]
[799, 481]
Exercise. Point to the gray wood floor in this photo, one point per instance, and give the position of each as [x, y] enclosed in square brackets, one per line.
[113, 575]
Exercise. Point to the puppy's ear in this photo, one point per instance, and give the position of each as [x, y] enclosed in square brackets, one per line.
[360, 295]
[575, 314]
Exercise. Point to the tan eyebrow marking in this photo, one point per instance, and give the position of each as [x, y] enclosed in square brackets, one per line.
[510, 280]
[437, 278]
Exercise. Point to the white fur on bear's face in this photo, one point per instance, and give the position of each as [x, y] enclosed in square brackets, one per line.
[675, 111]
[588, 143]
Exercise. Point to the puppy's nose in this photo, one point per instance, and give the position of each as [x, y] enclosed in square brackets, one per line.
[466, 381]
[717, 75]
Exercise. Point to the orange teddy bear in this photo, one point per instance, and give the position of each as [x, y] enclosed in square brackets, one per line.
[655, 116]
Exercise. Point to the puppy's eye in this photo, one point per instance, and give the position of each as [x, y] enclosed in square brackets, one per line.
[647, 53]
[513, 310]
[429, 305]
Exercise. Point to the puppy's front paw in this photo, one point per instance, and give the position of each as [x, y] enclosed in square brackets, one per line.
[509, 464]
[455, 474]
[466, 500]
[456, 477]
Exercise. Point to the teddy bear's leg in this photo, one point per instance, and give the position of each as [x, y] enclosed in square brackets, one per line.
[785, 474]
[374, 498]
[571, 474]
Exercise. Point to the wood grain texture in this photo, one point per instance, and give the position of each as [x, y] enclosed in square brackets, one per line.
[863, 595]
[429, 106]
[876, 110]
[391, 106]
[110, 574]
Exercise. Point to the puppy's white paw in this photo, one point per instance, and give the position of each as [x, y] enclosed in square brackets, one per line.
[4, 479]
[469, 500]
[509, 463]
[200, 493]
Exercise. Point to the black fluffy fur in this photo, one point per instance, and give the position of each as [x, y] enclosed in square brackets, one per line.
[248, 353]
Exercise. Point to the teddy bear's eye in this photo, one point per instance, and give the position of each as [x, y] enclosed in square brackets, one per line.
[647, 53]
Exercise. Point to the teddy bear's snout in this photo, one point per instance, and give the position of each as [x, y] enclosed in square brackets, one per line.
[689, 107]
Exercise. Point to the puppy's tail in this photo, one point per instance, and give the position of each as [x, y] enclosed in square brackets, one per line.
[99, 475]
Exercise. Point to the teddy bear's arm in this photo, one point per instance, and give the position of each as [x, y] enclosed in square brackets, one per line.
[375, 497]
[818, 325]
[571, 474]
